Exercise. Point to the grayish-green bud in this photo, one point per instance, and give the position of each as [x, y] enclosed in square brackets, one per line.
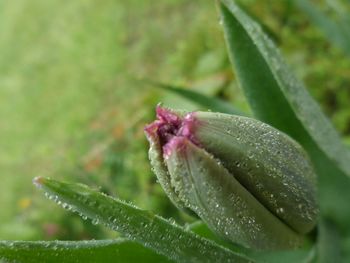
[251, 183]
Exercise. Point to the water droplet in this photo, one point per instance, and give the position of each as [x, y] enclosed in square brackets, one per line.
[280, 210]
[95, 221]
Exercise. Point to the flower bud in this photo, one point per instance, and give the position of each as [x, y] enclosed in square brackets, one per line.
[249, 182]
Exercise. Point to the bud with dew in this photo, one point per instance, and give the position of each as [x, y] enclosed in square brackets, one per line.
[251, 183]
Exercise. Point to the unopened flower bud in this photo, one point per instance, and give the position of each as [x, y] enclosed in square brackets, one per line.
[251, 183]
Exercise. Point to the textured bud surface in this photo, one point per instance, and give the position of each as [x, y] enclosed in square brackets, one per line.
[221, 201]
[272, 166]
[249, 182]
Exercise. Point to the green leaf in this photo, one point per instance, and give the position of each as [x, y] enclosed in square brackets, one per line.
[107, 251]
[278, 98]
[274, 93]
[329, 243]
[206, 102]
[152, 231]
[337, 31]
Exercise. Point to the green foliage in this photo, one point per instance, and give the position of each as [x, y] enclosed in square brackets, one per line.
[93, 251]
[336, 30]
[204, 101]
[142, 226]
[275, 95]
[278, 98]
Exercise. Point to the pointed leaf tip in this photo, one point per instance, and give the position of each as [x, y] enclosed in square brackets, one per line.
[276, 96]
[139, 225]
[38, 181]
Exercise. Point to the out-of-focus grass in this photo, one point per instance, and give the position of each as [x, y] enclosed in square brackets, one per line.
[67, 99]
[70, 107]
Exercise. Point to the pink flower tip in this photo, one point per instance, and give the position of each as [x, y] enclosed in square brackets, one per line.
[175, 144]
[171, 125]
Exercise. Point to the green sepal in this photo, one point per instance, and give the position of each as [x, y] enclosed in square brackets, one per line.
[268, 163]
[207, 188]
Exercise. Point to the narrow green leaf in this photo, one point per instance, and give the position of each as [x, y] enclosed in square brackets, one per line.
[274, 93]
[337, 31]
[329, 243]
[278, 98]
[106, 251]
[346, 249]
[206, 102]
[152, 231]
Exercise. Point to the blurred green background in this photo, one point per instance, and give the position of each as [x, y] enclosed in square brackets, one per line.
[73, 107]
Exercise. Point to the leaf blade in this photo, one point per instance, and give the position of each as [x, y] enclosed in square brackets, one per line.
[276, 96]
[141, 226]
[91, 251]
[329, 243]
[277, 103]
[207, 102]
[337, 32]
